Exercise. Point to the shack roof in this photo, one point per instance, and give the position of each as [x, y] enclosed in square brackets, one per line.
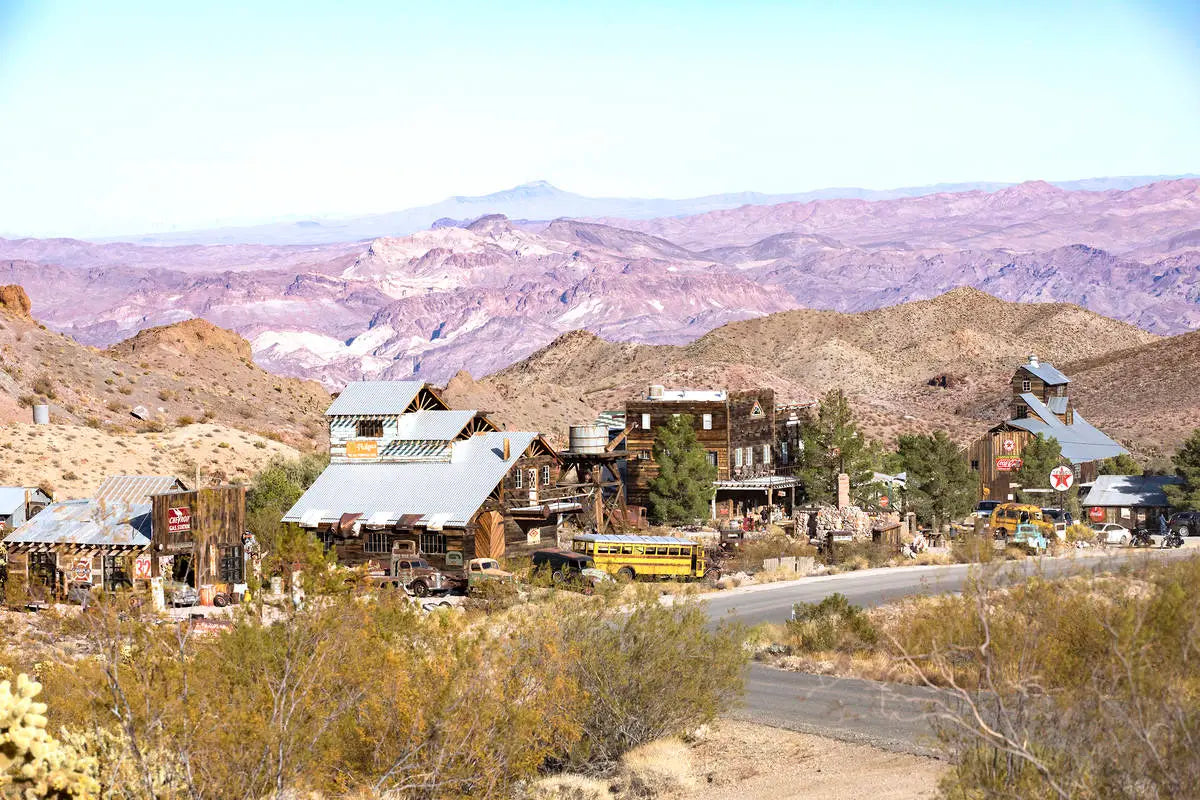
[1046, 372]
[86, 524]
[1080, 441]
[15, 497]
[689, 396]
[136, 488]
[1130, 491]
[438, 493]
[375, 397]
[613, 538]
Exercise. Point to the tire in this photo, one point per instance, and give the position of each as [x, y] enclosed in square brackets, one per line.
[626, 573]
[556, 576]
[712, 575]
[220, 599]
[420, 588]
[1183, 531]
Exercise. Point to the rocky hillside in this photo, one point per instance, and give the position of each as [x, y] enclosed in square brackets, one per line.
[892, 361]
[482, 295]
[163, 378]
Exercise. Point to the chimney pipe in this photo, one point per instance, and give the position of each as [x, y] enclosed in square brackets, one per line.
[506, 449]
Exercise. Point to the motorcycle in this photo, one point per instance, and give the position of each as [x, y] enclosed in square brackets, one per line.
[1141, 538]
[1172, 539]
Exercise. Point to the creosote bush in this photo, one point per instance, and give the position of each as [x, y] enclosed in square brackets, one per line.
[832, 624]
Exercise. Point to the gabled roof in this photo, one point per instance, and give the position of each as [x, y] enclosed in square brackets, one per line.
[433, 426]
[136, 488]
[1080, 441]
[87, 523]
[1046, 372]
[375, 397]
[14, 497]
[1130, 491]
[437, 493]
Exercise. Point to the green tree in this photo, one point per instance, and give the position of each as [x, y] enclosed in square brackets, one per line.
[833, 444]
[1186, 496]
[940, 486]
[1123, 464]
[1039, 457]
[684, 485]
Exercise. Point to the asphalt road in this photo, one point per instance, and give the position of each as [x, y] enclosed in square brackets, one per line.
[885, 715]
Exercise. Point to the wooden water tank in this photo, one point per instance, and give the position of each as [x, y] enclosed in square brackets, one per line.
[588, 438]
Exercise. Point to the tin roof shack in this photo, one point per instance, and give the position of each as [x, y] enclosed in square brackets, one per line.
[198, 536]
[1040, 404]
[403, 467]
[92, 541]
[136, 488]
[737, 429]
[1129, 500]
[19, 504]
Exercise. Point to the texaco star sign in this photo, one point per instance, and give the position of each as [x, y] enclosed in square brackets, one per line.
[1061, 479]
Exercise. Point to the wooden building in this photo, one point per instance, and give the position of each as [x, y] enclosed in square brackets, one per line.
[1040, 404]
[404, 467]
[736, 429]
[1129, 500]
[20, 503]
[198, 536]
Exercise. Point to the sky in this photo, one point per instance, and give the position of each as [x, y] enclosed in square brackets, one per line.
[124, 118]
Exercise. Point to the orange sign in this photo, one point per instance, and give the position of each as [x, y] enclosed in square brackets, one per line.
[362, 448]
[883, 501]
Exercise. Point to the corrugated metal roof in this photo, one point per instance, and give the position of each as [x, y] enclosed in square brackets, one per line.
[1046, 372]
[765, 482]
[375, 397]
[439, 491]
[613, 538]
[87, 523]
[433, 425]
[1057, 404]
[14, 497]
[417, 450]
[1130, 491]
[1080, 441]
[690, 395]
[136, 488]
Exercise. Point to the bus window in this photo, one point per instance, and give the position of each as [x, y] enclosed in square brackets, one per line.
[674, 551]
[639, 550]
[627, 549]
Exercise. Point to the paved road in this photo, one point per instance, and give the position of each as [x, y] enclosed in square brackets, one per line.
[885, 715]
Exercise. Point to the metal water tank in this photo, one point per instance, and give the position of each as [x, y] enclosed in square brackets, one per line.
[41, 414]
[656, 391]
[588, 438]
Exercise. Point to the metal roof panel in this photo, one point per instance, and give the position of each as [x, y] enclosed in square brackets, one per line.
[375, 397]
[88, 523]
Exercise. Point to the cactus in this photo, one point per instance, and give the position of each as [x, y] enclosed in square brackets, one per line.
[33, 764]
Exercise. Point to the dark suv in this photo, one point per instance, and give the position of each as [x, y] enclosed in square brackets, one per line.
[1186, 523]
[562, 564]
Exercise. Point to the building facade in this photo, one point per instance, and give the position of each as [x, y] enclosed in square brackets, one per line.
[406, 467]
[1040, 403]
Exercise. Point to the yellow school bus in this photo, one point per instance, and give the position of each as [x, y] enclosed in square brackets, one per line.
[1007, 516]
[647, 557]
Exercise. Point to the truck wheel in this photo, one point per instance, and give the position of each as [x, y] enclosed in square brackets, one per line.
[556, 576]
[625, 573]
[712, 576]
[220, 599]
[420, 589]
[1183, 531]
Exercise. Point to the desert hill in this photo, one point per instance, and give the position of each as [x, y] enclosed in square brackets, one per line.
[888, 360]
[173, 376]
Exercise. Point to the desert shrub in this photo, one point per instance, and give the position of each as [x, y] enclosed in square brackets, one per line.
[749, 556]
[93, 422]
[859, 554]
[832, 624]
[184, 420]
[660, 768]
[42, 385]
[1079, 532]
[973, 549]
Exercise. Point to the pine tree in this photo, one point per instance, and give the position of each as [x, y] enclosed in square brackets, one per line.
[684, 485]
[1038, 458]
[1123, 464]
[1186, 496]
[939, 486]
[832, 444]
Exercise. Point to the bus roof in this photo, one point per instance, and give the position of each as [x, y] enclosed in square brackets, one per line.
[616, 539]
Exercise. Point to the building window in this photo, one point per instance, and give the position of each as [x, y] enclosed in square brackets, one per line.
[643, 455]
[326, 538]
[433, 543]
[518, 479]
[376, 542]
[975, 464]
[1026, 386]
[712, 457]
[532, 477]
[783, 452]
[546, 475]
[370, 429]
[645, 422]
[766, 454]
[706, 422]
[737, 457]
[1022, 412]
[232, 564]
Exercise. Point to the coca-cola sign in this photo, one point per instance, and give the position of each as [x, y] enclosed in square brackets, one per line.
[1008, 463]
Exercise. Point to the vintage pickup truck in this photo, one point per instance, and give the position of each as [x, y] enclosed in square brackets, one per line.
[408, 569]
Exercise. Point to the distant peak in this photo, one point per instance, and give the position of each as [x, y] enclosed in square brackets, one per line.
[546, 185]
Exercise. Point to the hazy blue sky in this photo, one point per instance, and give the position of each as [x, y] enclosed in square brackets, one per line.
[121, 117]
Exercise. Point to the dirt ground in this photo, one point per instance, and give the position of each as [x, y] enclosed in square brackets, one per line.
[741, 761]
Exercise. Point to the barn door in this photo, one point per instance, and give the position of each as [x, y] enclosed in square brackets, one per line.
[489, 536]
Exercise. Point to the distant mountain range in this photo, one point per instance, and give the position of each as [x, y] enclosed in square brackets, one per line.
[540, 200]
